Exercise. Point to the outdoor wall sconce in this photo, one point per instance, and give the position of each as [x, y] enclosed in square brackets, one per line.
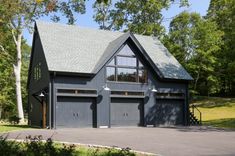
[106, 88]
[40, 96]
[153, 89]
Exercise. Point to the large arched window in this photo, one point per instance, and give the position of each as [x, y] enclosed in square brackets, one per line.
[125, 67]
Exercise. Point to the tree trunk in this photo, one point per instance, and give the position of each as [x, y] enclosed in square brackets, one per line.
[17, 71]
[0, 112]
[196, 80]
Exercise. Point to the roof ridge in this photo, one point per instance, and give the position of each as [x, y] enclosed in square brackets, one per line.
[75, 26]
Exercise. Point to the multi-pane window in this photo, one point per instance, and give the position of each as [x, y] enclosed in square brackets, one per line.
[126, 74]
[125, 67]
[110, 73]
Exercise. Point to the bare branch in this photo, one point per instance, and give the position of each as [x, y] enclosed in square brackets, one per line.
[14, 37]
[12, 24]
[143, 32]
[167, 19]
[31, 14]
[2, 48]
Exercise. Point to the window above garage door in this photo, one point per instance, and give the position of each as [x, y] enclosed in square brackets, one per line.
[77, 92]
[125, 67]
[170, 95]
[127, 94]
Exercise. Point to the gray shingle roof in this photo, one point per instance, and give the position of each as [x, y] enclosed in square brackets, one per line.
[83, 50]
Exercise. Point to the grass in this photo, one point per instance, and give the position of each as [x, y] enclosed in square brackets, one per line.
[7, 127]
[35, 146]
[217, 112]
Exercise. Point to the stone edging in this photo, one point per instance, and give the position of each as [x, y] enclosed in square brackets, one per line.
[92, 145]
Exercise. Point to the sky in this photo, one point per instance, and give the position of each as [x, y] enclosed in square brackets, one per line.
[86, 20]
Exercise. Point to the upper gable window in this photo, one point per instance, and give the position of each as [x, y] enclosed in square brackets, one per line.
[125, 67]
[126, 51]
[126, 61]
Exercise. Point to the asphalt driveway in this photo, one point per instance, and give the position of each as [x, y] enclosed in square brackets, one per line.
[188, 141]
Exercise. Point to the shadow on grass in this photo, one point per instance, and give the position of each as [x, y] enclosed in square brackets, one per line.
[215, 102]
[219, 125]
[222, 123]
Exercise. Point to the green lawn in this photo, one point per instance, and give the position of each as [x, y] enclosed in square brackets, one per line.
[6, 127]
[218, 112]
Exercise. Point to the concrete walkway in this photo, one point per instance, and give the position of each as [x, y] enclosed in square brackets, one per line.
[184, 141]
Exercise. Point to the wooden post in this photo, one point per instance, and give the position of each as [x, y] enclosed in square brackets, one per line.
[44, 110]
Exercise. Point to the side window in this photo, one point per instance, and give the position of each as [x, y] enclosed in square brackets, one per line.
[37, 72]
[31, 107]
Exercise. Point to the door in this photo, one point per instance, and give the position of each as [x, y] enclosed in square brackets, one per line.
[75, 112]
[168, 112]
[126, 112]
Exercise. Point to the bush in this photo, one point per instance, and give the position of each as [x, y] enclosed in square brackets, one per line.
[35, 146]
[14, 119]
[9, 147]
[112, 152]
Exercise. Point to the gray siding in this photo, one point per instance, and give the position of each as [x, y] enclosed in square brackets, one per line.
[35, 86]
[103, 100]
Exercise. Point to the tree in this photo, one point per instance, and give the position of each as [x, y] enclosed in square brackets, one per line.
[223, 13]
[6, 81]
[195, 42]
[19, 15]
[141, 17]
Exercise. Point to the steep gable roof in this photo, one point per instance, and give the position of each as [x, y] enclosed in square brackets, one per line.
[82, 50]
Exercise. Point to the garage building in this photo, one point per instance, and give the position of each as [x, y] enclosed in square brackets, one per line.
[82, 77]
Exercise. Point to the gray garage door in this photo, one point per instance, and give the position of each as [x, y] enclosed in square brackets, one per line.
[126, 112]
[75, 112]
[167, 112]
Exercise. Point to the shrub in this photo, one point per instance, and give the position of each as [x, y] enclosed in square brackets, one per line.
[35, 146]
[14, 119]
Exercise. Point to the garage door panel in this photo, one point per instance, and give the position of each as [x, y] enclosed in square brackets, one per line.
[165, 112]
[74, 112]
[126, 112]
[170, 112]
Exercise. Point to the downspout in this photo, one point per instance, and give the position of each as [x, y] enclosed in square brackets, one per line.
[50, 102]
[54, 100]
[186, 116]
[29, 108]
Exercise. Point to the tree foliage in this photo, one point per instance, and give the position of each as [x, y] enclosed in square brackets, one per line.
[195, 42]
[141, 17]
[16, 16]
[7, 86]
[223, 13]
[6, 71]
